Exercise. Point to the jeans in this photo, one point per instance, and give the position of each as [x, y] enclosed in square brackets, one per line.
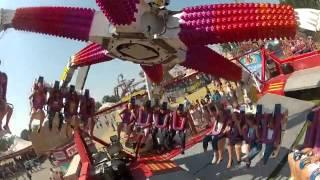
[267, 153]
[182, 137]
[214, 142]
[163, 137]
[51, 115]
[255, 148]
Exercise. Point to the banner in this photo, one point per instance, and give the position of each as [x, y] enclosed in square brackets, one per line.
[253, 62]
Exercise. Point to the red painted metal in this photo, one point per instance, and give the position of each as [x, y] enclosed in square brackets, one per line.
[263, 68]
[81, 147]
[67, 22]
[91, 54]
[154, 73]
[206, 60]
[221, 23]
[119, 12]
[276, 84]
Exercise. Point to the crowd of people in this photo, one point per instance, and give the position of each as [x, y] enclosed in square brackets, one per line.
[67, 103]
[9, 170]
[223, 111]
[19, 165]
[298, 45]
[157, 121]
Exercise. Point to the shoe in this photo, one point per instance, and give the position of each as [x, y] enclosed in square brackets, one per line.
[39, 130]
[248, 164]
[182, 152]
[219, 161]
[230, 165]
[214, 159]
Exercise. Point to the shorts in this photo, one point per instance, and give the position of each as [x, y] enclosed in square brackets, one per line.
[3, 105]
[233, 141]
[69, 115]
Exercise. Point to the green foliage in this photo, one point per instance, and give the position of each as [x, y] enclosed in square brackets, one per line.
[112, 99]
[315, 4]
[6, 142]
[25, 135]
[98, 105]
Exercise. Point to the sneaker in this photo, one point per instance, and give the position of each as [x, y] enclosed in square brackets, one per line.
[214, 159]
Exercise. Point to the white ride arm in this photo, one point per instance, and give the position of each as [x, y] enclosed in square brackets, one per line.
[308, 19]
[6, 17]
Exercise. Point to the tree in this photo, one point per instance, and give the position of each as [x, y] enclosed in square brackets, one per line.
[314, 4]
[112, 99]
[25, 135]
[5, 143]
[98, 105]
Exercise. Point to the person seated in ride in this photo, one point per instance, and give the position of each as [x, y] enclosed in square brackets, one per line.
[71, 106]
[156, 107]
[5, 108]
[144, 121]
[127, 120]
[55, 105]
[38, 100]
[271, 135]
[251, 136]
[179, 123]
[87, 110]
[161, 128]
[217, 133]
[304, 162]
[234, 138]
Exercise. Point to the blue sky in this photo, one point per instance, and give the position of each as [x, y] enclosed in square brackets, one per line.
[25, 56]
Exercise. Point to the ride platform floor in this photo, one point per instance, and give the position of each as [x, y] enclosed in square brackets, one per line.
[195, 164]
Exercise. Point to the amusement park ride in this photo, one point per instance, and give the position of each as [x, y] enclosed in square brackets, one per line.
[147, 33]
[125, 86]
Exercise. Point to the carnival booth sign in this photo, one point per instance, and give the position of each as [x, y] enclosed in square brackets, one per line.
[253, 62]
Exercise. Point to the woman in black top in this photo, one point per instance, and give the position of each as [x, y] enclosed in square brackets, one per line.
[234, 138]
